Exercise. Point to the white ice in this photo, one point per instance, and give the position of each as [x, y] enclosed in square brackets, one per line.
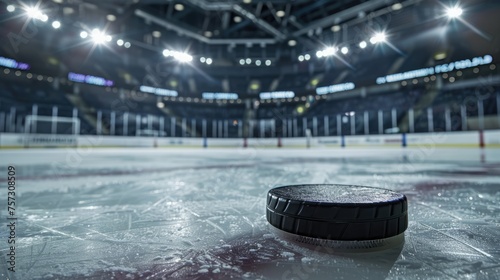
[200, 214]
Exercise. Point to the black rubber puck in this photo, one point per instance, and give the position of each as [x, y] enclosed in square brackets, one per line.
[337, 212]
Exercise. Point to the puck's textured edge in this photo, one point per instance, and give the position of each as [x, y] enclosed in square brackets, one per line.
[338, 221]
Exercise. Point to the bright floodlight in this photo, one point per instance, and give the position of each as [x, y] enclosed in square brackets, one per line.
[203, 59]
[242, 61]
[319, 54]
[362, 44]
[268, 62]
[209, 61]
[307, 57]
[344, 50]
[99, 37]
[84, 34]
[127, 45]
[454, 12]
[329, 51]
[180, 56]
[11, 8]
[35, 13]
[378, 38]
[120, 42]
[56, 24]
[301, 58]
[257, 62]
[248, 61]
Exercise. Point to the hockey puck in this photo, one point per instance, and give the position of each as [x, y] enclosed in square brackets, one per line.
[337, 212]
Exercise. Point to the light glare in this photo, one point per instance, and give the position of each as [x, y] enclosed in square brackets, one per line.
[454, 12]
[35, 13]
[56, 24]
[378, 38]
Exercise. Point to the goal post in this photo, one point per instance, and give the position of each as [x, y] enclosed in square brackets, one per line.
[51, 131]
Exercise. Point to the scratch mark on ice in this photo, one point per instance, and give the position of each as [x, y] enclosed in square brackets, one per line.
[60, 232]
[155, 204]
[439, 210]
[459, 241]
[216, 226]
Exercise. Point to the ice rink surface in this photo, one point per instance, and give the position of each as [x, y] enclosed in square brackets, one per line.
[200, 214]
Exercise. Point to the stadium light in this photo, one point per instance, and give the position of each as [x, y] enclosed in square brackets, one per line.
[99, 37]
[248, 61]
[127, 45]
[179, 56]
[257, 62]
[344, 50]
[84, 34]
[120, 42]
[35, 13]
[301, 58]
[362, 44]
[327, 52]
[454, 12]
[209, 61]
[242, 61]
[307, 57]
[268, 62]
[11, 8]
[203, 59]
[56, 24]
[378, 38]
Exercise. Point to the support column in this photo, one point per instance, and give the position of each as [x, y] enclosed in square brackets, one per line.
[125, 124]
[162, 126]
[138, 120]
[315, 126]
[339, 125]
[220, 129]
[430, 120]
[76, 129]
[295, 128]
[54, 120]
[204, 128]
[99, 123]
[304, 126]
[480, 114]
[172, 127]
[326, 124]
[463, 113]
[366, 122]
[380, 122]
[112, 120]
[193, 127]
[447, 118]
[411, 120]
[394, 117]
[352, 119]
[226, 129]
[184, 127]
[34, 112]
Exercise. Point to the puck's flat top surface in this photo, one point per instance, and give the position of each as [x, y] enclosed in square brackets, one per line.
[341, 194]
[337, 212]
